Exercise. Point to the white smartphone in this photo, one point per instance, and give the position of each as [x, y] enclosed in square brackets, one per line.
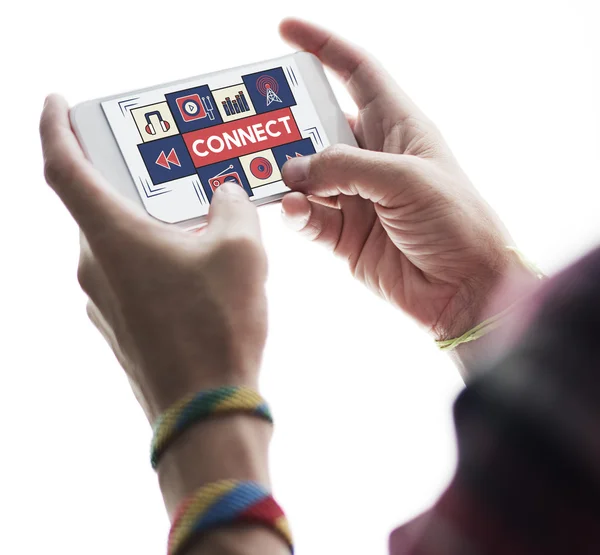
[170, 146]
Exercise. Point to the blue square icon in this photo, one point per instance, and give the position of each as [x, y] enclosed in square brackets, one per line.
[193, 108]
[215, 175]
[269, 90]
[167, 159]
[292, 150]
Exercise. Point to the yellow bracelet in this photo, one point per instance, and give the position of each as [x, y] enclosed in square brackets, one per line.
[495, 321]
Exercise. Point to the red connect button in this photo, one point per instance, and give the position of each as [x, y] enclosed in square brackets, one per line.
[240, 137]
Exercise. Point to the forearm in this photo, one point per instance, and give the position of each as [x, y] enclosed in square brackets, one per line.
[233, 447]
[240, 541]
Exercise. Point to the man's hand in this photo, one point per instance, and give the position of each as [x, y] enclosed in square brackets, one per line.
[182, 311]
[400, 210]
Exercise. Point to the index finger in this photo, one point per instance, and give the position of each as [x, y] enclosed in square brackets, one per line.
[232, 213]
[94, 204]
[365, 79]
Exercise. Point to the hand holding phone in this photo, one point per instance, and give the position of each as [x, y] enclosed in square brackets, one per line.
[399, 209]
[182, 311]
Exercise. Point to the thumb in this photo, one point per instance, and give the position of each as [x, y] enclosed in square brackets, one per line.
[343, 169]
[232, 214]
[94, 204]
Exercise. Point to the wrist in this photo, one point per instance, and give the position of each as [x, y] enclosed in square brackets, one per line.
[495, 298]
[231, 447]
[166, 384]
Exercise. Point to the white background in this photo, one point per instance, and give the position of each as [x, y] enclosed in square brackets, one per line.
[362, 399]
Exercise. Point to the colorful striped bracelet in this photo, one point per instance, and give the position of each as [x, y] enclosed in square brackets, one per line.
[226, 503]
[199, 406]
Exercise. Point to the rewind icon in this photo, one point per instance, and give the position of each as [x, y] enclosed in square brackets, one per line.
[165, 160]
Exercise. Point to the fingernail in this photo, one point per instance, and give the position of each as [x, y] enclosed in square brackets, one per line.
[296, 222]
[296, 169]
[229, 188]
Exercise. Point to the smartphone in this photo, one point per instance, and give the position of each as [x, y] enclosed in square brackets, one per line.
[169, 147]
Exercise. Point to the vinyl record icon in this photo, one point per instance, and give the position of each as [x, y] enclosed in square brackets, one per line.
[261, 168]
[191, 107]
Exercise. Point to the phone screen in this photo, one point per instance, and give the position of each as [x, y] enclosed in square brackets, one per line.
[181, 142]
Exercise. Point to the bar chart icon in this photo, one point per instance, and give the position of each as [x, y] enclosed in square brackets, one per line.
[237, 105]
[234, 102]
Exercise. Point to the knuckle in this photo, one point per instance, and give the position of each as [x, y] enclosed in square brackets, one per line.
[51, 172]
[84, 274]
[336, 154]
[332, 162]
[58, 172]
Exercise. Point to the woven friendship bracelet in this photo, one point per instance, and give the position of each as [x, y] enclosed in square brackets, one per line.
[495, 321]
[226, 503]
[199, 406]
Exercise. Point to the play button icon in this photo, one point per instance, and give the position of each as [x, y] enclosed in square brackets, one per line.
[165, 160]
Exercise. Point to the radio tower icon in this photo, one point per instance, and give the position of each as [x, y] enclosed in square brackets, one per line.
[271, 95]
[268, 87]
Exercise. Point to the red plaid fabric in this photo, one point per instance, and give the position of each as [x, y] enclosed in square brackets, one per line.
[528, 428]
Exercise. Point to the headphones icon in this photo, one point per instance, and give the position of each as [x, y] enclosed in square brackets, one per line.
[164, 125]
